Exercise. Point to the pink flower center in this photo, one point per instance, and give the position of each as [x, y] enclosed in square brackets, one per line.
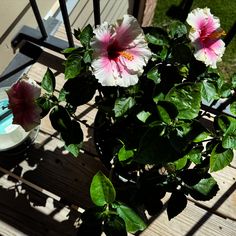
[208, 33]
[115, 51]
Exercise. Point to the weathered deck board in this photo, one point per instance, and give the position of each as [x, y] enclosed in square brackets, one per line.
[24, 210]
[61, 174]
[49, 168]
[192, 221]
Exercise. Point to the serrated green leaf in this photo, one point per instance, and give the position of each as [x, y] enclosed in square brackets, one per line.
[122, 105]
[73, 66]
[102, 190]
[49, 81]
[133, 221]
[205, 186]
[86, 35]
[187, 98]
[229, 140]
[220, 158]
[209, 91]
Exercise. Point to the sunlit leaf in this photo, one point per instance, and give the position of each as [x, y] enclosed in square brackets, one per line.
[102, 190]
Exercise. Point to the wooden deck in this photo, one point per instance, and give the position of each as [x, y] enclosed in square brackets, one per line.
[44, 190]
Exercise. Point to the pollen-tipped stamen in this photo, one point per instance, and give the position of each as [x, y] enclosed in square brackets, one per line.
[217, 34]
[126, 55]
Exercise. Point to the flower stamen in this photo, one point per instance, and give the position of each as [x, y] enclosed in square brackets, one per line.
[217, 34]
[126, 55]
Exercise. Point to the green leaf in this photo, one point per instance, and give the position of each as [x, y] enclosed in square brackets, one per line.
[201, 137]
[229, 140]
[124, 154]
[220, 158]
[143, 115]
[187, 99]
[114, 226]
[45, 104]
[192, 177]
[86, 35]
[228, 126]
[87, 57]
[102, 190]
[81, 89]
[74, 149]
[209, 91]
[49, 81]
[70, 50]
[60, 119]
[164, 53]
[207, 188]
[181, 53]
[73, 138]
[156, 36]
[223, 122]
[176, 204]
[153, 148]
[166, 111]
[132, 220]
[195, 155]
[177, 29]
[92, 222]
[73, 66]
[122, 105]
[154, 75]
[233, 81]
[233, 108]
[181, 163]
[62, 95]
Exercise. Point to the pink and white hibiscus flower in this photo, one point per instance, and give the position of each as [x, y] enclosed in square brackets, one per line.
[205, 36]
[22, 96]
[120, 52]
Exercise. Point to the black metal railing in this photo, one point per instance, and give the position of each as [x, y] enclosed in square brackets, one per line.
[40, 37]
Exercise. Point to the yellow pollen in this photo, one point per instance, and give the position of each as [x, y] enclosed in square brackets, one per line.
[217, 34]
[127, 55]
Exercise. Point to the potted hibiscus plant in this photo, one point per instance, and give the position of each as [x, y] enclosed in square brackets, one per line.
[154, 89]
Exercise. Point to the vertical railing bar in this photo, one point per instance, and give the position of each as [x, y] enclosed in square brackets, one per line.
[96, 12]
[38, 18]
[66, 21]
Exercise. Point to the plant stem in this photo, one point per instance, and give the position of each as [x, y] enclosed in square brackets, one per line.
[82, 122]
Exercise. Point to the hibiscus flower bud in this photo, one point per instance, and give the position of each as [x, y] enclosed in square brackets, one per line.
[22, 101]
